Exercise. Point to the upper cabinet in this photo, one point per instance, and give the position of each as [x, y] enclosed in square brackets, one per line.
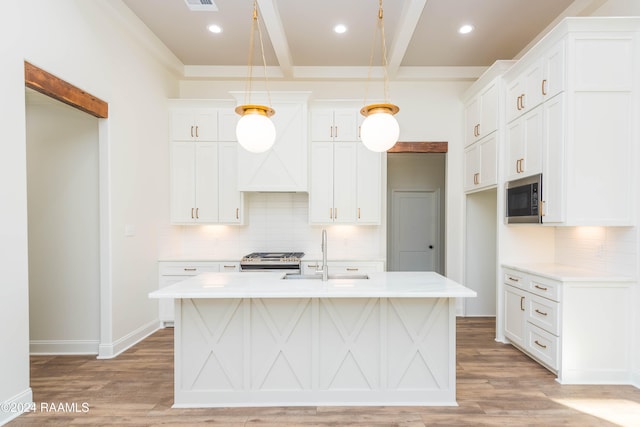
[284, 167]
[540, 80]
[481, 113]
[484, 117]
[346, 184]
[576, 121]
[203, 167]
[329, 124]
[194, 124]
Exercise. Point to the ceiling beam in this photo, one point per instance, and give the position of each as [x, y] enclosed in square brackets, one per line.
[406, 26]
[273, 24]
[41, 81]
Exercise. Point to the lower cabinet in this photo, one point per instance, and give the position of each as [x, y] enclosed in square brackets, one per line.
[344, 267]
[578, 328]
[171, 272]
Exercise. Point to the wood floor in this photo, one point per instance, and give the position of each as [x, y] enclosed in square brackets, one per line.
[497, 385]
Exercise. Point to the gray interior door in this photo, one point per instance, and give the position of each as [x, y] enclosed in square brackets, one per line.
[415, 236]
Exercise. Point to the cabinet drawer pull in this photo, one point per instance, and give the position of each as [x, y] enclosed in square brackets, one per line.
[515, 279]
[229, 266]
[521, 102]
[544, 87]
[542, 313]
[191, 131]
[542, 288]
[192, 213]
[197, 136]
[331, 213]
[541, 345]
[190, 269]
[335, 213]
[521, 303]
[237, 213]
[358, 213]
[352, 268]
[197, 213]
[330, 131]
[314, 266]
[336, 131]
[518, 103]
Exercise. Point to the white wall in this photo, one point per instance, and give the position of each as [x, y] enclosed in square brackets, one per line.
[14, 299]
[63, 200]
[429, 111]
[102, 48]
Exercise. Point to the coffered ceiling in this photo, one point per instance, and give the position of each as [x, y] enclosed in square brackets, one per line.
[299, 40]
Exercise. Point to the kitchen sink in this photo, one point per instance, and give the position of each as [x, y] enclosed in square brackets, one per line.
[345, 276]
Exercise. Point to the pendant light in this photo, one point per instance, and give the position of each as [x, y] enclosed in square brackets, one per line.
[255, 130]
[380, 130]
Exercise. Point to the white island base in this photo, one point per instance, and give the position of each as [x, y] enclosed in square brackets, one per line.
[330, 348]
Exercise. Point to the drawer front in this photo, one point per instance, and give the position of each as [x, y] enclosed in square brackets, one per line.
[310, 267]
[357, 267]
[187, 269]
[515, 278]
[544, 287]
[544, 314]
[543, 346]
[229, 267]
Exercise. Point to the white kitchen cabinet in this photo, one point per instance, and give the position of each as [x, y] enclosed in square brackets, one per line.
[514, 315]
[194, 124]
[481, 113]
[346, 184]
[284, 167]
[524, 145]
[576, 326]
[542, 79]
[480, 164]
[171, 272]
[194, 182]
[329, 124]
[202, 183]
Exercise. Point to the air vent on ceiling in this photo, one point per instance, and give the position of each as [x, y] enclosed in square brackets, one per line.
[202, 5]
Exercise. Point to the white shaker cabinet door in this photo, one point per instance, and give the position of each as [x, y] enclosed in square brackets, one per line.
[206, 209]
[514, 314]
[321, 192]
[230, 199]
[344, 184]
[183, 189]
[369, 186]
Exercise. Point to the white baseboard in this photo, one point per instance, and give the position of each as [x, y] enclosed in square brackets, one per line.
[54, 347]
[111, 350]
[635, 379]
[17, 405]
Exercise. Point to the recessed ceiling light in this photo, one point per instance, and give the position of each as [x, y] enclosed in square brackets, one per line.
[340, 28]
[465, 29]
[216, 29]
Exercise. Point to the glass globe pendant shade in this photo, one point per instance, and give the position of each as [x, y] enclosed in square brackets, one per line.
[255, 131]
[380, 130]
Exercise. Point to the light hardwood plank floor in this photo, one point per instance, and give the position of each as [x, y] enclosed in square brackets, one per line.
[497, 386]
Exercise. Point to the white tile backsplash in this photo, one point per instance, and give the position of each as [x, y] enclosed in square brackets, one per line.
[608, 249]
[273, 222]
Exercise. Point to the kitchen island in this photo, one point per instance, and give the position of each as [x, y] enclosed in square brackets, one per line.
[256, 339]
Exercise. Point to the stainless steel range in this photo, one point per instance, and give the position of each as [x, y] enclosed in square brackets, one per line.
[289, 262]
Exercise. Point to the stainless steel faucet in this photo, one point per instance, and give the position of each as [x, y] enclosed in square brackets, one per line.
[325, 268]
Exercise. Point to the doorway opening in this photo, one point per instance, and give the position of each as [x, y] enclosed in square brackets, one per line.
[68, 211]
[416, 192]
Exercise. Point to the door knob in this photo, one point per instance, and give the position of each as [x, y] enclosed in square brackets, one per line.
[430, 246]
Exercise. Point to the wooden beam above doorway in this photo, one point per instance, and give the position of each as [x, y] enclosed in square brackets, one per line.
[419, 147]
[56, 88]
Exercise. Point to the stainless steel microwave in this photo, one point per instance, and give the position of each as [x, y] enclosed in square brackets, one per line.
[523, 199]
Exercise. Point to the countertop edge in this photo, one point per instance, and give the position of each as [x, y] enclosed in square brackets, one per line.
[566, 273]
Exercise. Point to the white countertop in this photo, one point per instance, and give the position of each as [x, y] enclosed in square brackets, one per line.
[566, 273]
[419, 284]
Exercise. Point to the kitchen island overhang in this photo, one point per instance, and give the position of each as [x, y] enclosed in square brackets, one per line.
[254, 339]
